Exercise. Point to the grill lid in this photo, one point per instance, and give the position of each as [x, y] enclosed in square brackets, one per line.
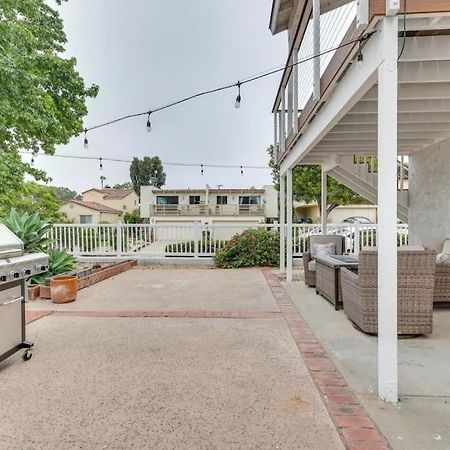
[10, 244]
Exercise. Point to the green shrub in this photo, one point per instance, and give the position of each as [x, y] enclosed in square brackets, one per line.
[59, 262]
[252, 248]
[30, 228]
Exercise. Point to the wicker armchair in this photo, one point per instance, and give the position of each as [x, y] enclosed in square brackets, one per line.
[416, 274]
[308, 258]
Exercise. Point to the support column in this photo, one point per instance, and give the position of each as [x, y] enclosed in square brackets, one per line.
[289, 227]
[282, 223]
[324, 201]
[387, 212]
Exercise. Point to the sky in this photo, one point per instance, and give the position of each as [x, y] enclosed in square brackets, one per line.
[147, 53]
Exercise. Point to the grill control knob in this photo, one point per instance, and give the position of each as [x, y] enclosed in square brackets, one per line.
[26, 272]
[16, 274]
[13, 275]
[3, 278]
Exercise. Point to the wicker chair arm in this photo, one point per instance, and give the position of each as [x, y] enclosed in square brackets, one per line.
[306, 259]
[349, 276]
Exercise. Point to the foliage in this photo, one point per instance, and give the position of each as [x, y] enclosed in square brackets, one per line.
[64, 194]
[133, 217]
[33, 197]
[42, 96]
[254, 247]
[123, 186]
[30, 229]
[307, 185]
[147, 171]
[59, 262]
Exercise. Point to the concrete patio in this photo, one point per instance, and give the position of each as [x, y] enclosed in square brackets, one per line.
[422, 418]
[168, 383]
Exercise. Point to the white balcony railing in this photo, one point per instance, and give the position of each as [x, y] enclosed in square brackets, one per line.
[207, 210]
[197, 240]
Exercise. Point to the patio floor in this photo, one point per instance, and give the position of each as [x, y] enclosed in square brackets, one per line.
[422, 418]
[224, 371]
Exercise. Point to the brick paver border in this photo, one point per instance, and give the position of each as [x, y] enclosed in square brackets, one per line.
[357, 430]
[31, 316]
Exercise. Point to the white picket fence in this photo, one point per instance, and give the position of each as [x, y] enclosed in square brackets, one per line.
[197, 240]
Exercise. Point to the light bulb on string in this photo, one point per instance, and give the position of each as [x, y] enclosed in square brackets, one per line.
[237, 103]
[360, 57]
[101, 163]
[86, 142]
[32, 158]
[201, 169]
[242, 170]
[149, 124]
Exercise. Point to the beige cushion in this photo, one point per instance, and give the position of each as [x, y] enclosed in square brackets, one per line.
[312, 265]
[411, 248]
[446, 247]
[325, 239]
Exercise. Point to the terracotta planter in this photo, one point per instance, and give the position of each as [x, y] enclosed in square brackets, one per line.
[63, 288]
[33, 291]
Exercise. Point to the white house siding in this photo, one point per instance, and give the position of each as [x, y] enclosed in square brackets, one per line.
[429, 196]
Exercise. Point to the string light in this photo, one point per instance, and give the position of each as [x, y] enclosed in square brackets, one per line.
[86, 142]
[201, 169]
[177, 164]
[251, 79]
[149, 124]
[101, 165]
[32, 158]
[242, 171]
[237, 103]
[360, 57]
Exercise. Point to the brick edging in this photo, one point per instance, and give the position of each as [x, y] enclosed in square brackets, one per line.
[357, 430]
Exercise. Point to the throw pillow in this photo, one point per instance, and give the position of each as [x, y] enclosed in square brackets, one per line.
[443, 258]
[321, 250]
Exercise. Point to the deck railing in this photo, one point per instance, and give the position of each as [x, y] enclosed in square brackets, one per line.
[207, 210]
[196, 240]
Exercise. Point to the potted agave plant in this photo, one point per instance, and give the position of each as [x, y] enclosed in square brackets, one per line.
[63, 283]
[33, 231]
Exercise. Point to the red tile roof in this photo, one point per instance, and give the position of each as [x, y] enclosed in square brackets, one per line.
[112, 193]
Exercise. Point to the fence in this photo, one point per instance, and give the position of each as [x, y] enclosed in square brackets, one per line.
[196, 240]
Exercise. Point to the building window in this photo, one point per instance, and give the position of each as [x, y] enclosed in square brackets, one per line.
[167, 200]
[250, 200]
[85, 219]
[124, 207]
[222, 199]
[194, 199]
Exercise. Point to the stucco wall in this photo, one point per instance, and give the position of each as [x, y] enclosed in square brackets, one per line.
[130, 202]
[73, 212]
[429, 196]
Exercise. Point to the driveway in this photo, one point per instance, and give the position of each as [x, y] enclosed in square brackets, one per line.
[112, 371]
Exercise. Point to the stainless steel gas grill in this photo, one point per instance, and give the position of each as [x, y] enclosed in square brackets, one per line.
[15, 268]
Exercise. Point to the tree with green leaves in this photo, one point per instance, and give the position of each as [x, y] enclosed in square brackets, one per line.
[42, 96]
[147, 171]
[33, 198]
[123, 186]
[307, 186]
[64, 194]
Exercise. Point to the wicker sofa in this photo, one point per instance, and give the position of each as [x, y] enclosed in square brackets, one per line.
[416, 278]
[442, 282]
[309, 263]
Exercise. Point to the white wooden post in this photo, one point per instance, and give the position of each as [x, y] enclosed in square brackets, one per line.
[275, 133]
[289, 226]
[387, 212]
[282, 223]
[119, 239]
[282, 134]
[316, 48]
[324, 201]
